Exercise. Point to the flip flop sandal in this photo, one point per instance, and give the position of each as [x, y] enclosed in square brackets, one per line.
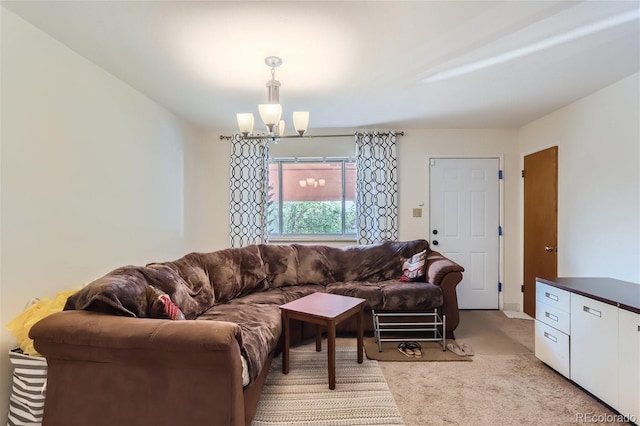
[467, 349]
[453, 347]
[417, 349]
[404, 348]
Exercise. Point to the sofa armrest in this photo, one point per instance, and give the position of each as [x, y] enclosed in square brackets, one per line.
[447, 274]
[106, 370]
[438, 266]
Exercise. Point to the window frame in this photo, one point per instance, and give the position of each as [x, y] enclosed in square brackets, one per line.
[280, 236]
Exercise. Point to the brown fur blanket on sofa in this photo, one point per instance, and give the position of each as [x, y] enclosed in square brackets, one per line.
[246, 285]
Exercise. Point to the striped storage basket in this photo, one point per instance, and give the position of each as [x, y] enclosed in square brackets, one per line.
[26, 403]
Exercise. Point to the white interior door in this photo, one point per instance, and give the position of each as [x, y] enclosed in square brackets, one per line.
[464, 218]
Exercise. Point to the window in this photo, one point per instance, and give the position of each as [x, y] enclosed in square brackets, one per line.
[311, 197]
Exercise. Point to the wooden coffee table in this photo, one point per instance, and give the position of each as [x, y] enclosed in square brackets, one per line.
[323, 309]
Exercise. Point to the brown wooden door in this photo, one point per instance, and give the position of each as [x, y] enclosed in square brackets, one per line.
[540, 222]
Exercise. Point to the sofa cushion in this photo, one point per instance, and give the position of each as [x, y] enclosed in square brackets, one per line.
[362, 289]
[391, 295]
[261, 328]
[416, 296]
[278, 296]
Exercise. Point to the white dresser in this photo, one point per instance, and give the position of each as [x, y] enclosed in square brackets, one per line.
[588, 329]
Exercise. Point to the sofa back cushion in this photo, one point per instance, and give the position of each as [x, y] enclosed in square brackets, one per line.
[280, 264]
[374, 262]
[186, 281]
[315, 265]
[234, 272]
[133, 291]
[299, 264]
[120, 292]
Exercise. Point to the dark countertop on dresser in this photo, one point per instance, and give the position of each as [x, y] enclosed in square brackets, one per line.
[623, 294]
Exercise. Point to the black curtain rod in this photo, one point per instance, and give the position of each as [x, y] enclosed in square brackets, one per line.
[401, 133]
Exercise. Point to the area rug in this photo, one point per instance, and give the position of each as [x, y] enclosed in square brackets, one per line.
[303, 397]
[431, 351]
[517, 315]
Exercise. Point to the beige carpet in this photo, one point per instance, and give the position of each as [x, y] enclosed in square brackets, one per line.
[504, 385]
[303, 397]
[431, 351]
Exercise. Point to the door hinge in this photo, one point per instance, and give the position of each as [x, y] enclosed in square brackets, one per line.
[522, 288]
[499, 287]
[500, 175]
[499, 230]
[522, 173]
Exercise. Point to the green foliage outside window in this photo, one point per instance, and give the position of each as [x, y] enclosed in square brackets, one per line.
[317, 217]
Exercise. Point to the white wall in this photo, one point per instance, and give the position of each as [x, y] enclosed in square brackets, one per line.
[91, 175]
[598, 180]
[207, 193]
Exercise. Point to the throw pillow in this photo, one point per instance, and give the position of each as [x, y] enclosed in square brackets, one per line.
[161, 306]
[413, 268]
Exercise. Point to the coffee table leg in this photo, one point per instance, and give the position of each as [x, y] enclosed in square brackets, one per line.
[360, 324]
[285, 343]
[331, 353]
[318, 338]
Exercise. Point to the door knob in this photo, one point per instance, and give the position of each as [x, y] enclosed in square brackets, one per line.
[435, 242]
[547, 248]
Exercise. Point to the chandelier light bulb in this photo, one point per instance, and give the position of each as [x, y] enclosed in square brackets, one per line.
[270, 114]
[301, 121]
[245, 123]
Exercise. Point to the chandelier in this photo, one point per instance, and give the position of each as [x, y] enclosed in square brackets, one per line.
[271, 112]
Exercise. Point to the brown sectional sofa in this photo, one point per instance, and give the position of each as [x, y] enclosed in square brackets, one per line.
[115, 358]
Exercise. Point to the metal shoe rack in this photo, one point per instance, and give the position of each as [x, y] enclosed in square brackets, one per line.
[429, 322]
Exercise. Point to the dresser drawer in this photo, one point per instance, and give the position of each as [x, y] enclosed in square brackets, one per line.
[552, 348]
[553, 316]
[554, 297]
[594, 347]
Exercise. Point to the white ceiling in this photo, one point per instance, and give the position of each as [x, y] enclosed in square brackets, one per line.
[388, 65]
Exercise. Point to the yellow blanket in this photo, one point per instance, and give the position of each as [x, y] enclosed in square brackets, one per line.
[21, 324]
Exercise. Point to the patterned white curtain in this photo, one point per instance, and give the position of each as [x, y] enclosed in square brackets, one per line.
[377, 187]
[249, 182]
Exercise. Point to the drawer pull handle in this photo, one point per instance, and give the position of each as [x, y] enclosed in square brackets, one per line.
[551, 316]
[551, 296]
[551, 337]
[592, 311]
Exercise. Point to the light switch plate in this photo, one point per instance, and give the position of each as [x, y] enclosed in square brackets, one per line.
[417, 212]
